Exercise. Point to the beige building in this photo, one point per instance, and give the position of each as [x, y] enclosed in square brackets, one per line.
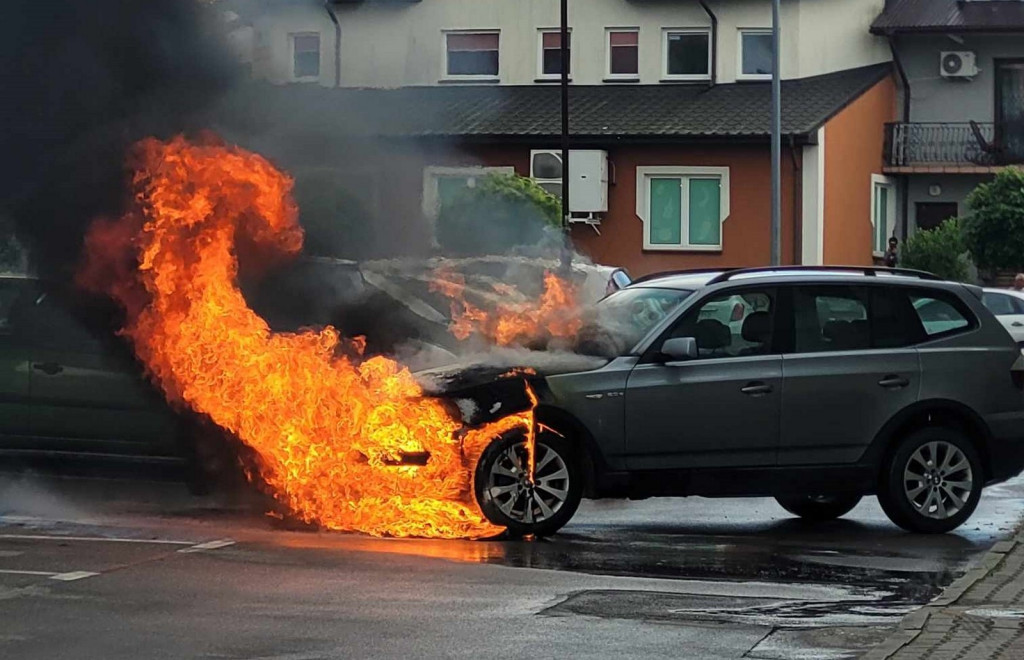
[398, 43]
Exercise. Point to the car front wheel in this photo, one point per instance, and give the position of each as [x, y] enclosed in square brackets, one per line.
[537, 506]
[818, 508]
[932, 482]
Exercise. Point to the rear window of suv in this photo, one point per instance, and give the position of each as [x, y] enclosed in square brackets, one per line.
[851, 318]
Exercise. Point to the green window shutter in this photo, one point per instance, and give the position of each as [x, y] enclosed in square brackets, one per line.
[666, 212]
[705, 212]
[881, 216]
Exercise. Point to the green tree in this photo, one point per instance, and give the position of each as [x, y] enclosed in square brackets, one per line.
[994, 229]
[501, 212]
[942, 251]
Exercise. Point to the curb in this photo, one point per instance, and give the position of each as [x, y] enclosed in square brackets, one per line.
[914, 623]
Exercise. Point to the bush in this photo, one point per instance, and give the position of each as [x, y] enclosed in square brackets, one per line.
[994, 229]
[942, 251]
[501, 212]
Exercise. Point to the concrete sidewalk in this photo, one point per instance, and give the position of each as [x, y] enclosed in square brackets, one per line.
[981, 615]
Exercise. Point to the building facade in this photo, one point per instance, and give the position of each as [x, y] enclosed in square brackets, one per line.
[961, 101]
[673, 96]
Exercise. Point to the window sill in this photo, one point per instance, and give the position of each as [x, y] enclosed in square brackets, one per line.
[686, 81]
[469, 81]
[631, 79]
[757, 78]
[549, 80]
[683, 248]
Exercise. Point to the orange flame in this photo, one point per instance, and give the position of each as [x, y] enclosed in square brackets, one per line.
[328, 428]
[554, 314]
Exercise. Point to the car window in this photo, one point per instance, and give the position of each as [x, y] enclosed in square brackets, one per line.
[1001, 304]
[47, 321]
[831, 318]
[631, 313]
[938, 316]
[9, 292]
[731, 324]
[894, 322]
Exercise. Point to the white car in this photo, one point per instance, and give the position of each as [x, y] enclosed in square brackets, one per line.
[1008, 306]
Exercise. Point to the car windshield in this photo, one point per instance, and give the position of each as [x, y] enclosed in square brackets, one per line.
[622, 319]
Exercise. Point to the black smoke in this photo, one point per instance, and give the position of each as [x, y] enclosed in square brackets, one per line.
[82, 81]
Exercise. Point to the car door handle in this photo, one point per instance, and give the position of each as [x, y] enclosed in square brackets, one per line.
[894, 382]
[756, 389]
[1017, 324]
[48, 368]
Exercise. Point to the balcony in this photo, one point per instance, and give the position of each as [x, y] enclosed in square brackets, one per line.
[968, 147]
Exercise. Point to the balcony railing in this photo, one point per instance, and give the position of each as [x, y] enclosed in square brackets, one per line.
[942, 144]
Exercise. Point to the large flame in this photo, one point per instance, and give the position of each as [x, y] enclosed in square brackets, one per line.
[328, 425]
[553, 315]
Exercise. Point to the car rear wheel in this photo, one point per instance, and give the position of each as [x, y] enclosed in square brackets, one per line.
[932, 482]
[818, 508]
[508, 495]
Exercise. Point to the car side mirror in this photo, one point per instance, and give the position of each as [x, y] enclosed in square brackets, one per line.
[679, 349]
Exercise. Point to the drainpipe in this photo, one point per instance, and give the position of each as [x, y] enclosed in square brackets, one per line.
[905, 82]
[714, 41]
[798, 224]
[337, 41]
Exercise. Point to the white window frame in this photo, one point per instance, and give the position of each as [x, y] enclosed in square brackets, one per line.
[540, 54]
[740, 75]
[890, 183]
[291, 51]
[468, 77]
[431, 174]
[643, 203]
[677, 77]
[608, 54]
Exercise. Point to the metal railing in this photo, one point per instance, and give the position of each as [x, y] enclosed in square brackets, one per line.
[967, 143]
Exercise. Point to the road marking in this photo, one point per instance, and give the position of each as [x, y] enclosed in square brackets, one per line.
[209, 545]
[72, 576]
[36, 573]
[107, 539]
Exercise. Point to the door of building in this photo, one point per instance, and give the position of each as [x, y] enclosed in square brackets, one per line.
[1010, 109]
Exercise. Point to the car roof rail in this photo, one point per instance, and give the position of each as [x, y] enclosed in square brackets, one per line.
[870, 271]
[683, 271]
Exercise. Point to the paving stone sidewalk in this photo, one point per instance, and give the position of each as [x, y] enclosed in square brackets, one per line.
[981, 615]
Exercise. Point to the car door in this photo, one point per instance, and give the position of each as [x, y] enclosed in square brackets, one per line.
[1009, 310]
[849, 368]
[14, 361]
[720, 409]
[87, 390]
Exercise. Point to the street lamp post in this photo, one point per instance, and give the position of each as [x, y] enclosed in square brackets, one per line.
[566, 251]
[776, 131]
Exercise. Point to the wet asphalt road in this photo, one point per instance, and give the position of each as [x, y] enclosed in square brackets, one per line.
[131, 569]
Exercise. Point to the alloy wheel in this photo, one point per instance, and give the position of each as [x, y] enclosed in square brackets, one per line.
[521, 498]
[938, 480]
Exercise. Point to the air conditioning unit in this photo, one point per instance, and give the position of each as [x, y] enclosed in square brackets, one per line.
[958, 64]
[588, 177]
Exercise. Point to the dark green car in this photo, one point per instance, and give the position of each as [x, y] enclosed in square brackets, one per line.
[71, 390]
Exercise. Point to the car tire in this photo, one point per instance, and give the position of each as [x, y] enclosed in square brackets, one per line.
[818, 508]
[931, 482]
[508, 499]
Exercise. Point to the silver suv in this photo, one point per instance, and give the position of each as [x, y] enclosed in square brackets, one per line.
[816, 386]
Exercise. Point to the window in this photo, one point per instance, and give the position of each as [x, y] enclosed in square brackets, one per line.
[441, 185]
[883, 212]
[731, 324]
[932, 214]
[1002, 304]
[550, 64]
[624, 54]
[687, 55]
[830, 319]
[471, 54]
[306, 56]
[755, 54]
[682, 208]
[939, 317]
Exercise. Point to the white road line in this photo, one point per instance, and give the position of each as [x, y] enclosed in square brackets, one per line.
[36, 573]
[43, 537]
[72, 576]
[209, 545]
